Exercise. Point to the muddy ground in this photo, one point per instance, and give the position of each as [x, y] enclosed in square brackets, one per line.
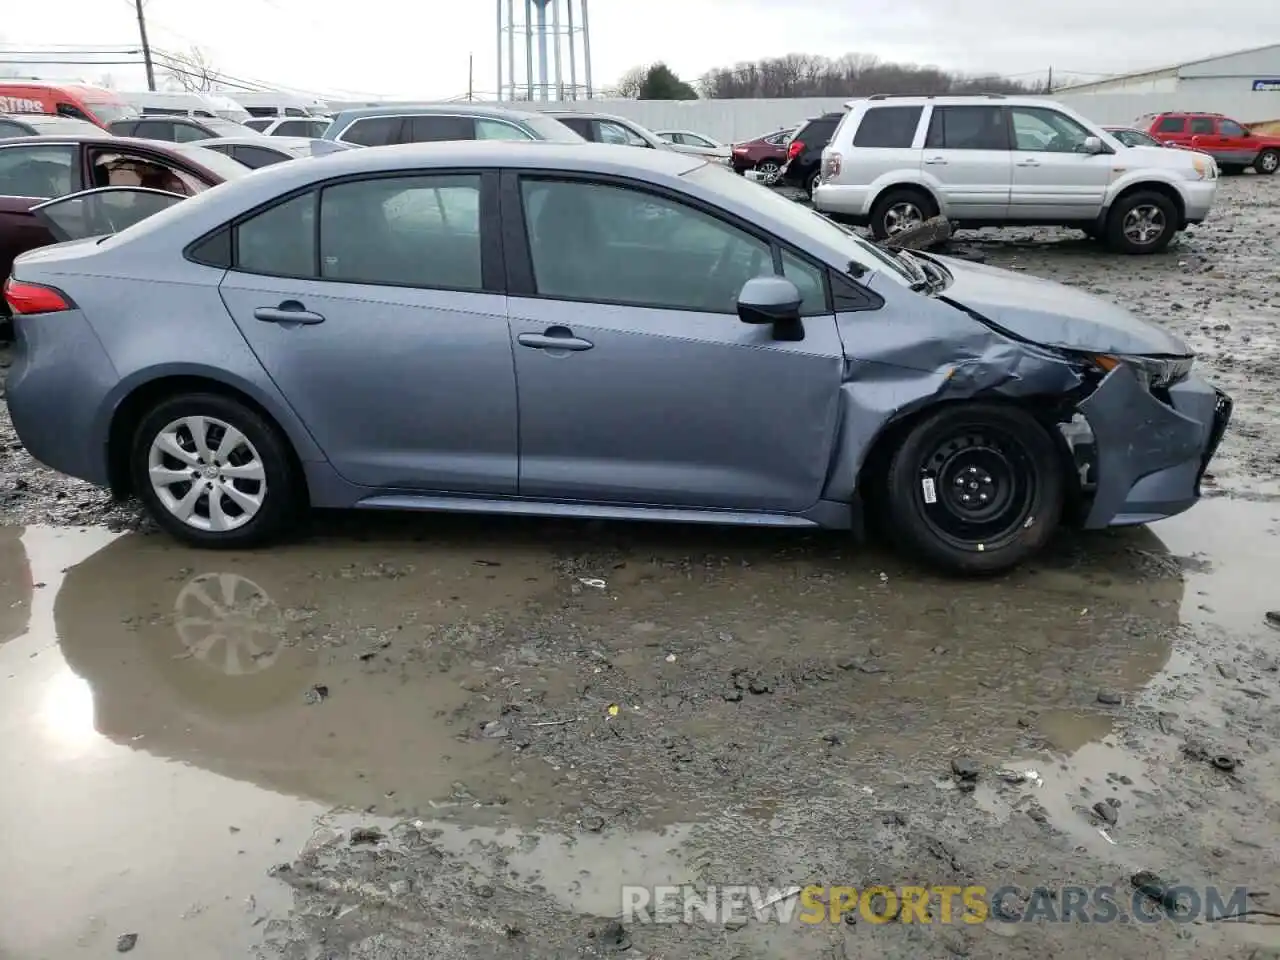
[413, 737]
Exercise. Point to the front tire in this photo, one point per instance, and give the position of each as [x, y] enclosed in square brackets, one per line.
[214, 473]
[975, 488]
[1267, 162]
[1141, 223]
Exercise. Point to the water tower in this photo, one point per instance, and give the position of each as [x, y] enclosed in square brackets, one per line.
[538, 53]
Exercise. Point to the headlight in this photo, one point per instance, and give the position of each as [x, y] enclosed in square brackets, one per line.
[1151, 371]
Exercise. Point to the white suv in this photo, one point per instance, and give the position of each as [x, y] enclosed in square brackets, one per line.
[991, 160]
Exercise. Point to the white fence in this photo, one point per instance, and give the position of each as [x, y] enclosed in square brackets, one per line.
[736, 120]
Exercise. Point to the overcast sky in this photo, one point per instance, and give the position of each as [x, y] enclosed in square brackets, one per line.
[420, 49]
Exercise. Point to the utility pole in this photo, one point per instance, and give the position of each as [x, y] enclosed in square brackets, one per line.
[471, 76]
[146, 47]
[1048, 86]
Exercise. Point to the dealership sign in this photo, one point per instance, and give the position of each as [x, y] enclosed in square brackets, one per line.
[1267, 86]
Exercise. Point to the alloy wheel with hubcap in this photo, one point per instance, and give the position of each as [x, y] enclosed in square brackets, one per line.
[214, 472]
[1143, 224]
[767, 172]
[1268, 162]
[902, 216]
[207, 474]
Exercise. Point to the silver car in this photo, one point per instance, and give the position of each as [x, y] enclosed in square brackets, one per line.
[586, 331]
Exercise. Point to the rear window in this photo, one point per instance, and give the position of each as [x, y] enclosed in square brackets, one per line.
[888, 127]
[817, 133]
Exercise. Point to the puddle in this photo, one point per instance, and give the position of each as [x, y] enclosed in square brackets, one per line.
[212, 708]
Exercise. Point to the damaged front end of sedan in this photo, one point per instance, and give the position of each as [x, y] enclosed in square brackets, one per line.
[1134, 432]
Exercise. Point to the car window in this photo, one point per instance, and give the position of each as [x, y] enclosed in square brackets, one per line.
[8, 129]
[259, 123]
[155, 130]
[498, 130]
[112, 168]
[433, 129]
[71, 110]
[582, 127]
[255, 157]
[293, 128]
[888, 127]
[809, 280]
[694, 140]
[294, 112]
[1201, 125]
[1135, 138]
[103, 212]
[421, 231]
[188, 132]
[1172, 125]
[817, 133]
[374, 131]
[37, 171]
[1046, 130]
[602, 243]
[280, 241]
[611, 132]
[967, 128]
[268, 112]
[1229, 128]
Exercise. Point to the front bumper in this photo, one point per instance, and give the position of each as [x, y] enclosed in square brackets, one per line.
[1151, 455]
[1198, 196]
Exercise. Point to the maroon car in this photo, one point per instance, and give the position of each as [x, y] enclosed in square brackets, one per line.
[37, 169]
[765, 155]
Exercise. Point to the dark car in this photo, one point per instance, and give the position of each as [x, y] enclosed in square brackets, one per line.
[46, 125]
[255, 151]
[606, 128]
[177, 129]
[803, 167]
[765, 155]
[35, 169]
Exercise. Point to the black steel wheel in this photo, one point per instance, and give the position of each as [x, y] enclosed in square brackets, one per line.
[976, 488]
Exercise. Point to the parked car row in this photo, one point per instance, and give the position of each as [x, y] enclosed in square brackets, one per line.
[514, 328]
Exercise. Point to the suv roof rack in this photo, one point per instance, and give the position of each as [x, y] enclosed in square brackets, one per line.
[934, 96]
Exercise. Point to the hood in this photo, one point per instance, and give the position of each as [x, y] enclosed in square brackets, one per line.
[1158, 157]
[1055, 315]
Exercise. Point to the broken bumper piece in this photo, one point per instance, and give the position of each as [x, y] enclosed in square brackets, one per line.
[1150, 454]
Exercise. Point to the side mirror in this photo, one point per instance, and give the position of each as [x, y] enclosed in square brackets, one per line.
[773, 300]
[1093, 145]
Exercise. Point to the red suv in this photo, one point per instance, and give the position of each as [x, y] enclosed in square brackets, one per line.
[1229, 143]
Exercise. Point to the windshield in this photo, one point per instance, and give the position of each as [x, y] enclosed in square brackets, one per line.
[108, 112]
[718, 178]
[212, 160]
[551, 129]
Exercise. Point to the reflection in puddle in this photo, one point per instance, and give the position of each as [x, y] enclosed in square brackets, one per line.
[179, 693]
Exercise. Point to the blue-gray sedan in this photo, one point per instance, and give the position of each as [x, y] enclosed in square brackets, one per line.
[585, 331]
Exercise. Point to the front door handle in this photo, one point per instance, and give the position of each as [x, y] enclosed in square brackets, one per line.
[937, 161]
[1029, 163]
[555, 338]
[290, 311]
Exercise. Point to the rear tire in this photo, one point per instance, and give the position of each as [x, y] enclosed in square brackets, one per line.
[811, 184]
[1142, 222]
[975, 488]
[1267, 162]
[900, 209]
[214, 473]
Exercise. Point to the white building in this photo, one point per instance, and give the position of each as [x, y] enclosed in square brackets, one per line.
[1230, 74]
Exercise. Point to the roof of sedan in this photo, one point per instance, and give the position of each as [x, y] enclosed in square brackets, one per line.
[585, 157]
[464, 108]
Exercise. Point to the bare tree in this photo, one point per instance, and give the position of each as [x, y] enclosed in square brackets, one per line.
[630, 83]
[191, 71]
[853, 75]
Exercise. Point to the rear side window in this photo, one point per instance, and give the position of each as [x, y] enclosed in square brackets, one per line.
[187, 133]
[403, 231]
[967, 128]
[1202, 124]
[429, 129]
[281, 241]
[37, 171]
[155, 130]
[1172, 125]
[255, 157]
[374, 131]
[293, 128]
[888, 127]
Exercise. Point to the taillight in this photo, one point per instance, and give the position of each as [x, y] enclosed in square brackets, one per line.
[794, 149]
[831, 163]
[33, 298]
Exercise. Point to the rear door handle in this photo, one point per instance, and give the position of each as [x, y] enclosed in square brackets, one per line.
[290, 311]
[937, 161]
[1029, 163]
[555, 338]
